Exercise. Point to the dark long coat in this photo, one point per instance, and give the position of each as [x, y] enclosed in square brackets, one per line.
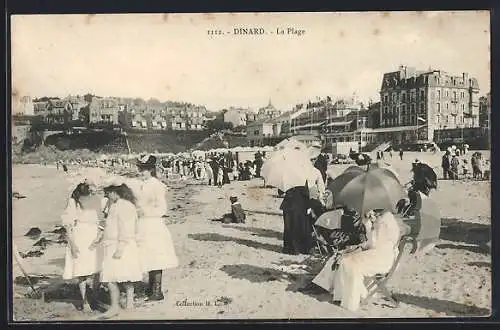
[297, 233]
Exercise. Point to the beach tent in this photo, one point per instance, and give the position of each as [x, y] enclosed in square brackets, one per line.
[238, 149]
[198, 153]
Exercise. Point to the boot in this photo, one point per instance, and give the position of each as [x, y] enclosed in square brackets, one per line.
[149, 288]
[156, 292]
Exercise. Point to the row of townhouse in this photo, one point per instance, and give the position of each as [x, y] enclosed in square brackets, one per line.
[112, 111]
[167, 117]
[165, 122]
[60, 111]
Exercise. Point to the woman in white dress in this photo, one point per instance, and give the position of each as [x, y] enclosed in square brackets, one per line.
[81, 220]
[209, 173]
[376, 257]
[155, 241]
[121, 262]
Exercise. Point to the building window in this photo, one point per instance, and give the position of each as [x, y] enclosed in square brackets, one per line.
[447, 93]
[403, 97]
[454, 95]
[438, 107]
[422, 95]
[421, 107]
[463, 107]
[446, 106]
[439, 93]
[437, 119]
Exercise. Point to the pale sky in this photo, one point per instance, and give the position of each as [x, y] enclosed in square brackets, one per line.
[172, 57]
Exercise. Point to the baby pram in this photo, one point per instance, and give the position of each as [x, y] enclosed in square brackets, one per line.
[336, 231]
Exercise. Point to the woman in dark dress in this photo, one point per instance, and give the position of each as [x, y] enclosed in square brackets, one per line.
[225, 171]
[215, 168]
[297, 234]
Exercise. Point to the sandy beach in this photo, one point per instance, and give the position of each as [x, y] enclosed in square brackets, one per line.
[238, 271]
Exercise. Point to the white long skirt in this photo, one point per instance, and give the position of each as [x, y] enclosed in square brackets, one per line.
[126, 269]
[156, 245]
[326, 276]
[349, 279]
[88, 261]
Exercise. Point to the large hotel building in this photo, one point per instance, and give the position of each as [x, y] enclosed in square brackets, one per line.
[413, 104]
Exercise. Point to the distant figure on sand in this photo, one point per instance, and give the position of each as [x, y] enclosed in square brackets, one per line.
[445, 165]
[80, 218]
[455, 163]
[321, 164]
[209, 173]
[401, 153]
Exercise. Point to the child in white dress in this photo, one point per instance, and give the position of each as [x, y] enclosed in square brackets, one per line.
[121, 262]
[80, 218]
[155, 242]
[220, 177]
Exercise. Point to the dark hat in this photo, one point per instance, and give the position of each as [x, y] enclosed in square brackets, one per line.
[146, 161]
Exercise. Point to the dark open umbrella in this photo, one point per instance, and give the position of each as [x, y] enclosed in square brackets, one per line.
[371, 190]
[336, 185]
[424, 176]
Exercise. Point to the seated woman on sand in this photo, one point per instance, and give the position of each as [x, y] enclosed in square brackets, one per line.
[375, 256]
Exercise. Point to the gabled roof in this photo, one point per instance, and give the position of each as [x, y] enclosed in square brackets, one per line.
[57, 103]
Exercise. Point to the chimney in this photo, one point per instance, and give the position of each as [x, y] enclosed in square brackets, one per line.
[465, 77]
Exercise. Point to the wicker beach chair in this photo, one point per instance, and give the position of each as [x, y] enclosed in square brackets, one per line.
[420, 231]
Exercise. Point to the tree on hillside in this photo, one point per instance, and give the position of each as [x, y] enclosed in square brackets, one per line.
[45, 99]
[154, 102]
[84, 115]
[88, 97]
[218, 124]
[138, 101]
[240, 128]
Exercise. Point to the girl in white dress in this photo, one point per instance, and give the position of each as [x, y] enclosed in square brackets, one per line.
[121, 262]
[80, 218]
[155, 241]
[220, 176]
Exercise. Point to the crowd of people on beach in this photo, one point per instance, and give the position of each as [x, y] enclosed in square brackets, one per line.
[455, 168]
[116, 235]
[214, 168]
